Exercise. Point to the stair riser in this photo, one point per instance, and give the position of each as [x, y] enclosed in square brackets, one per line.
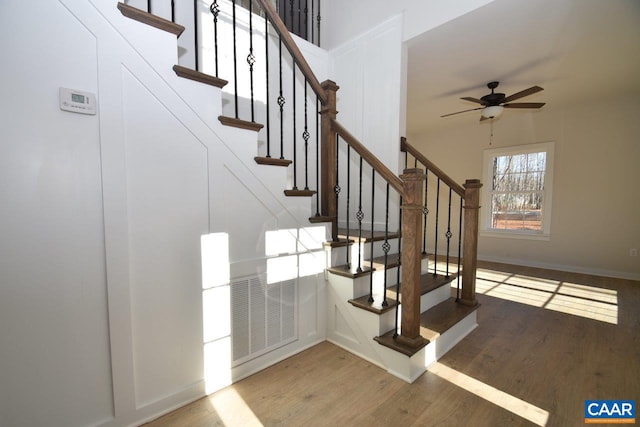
[348, 288]
[435, 297]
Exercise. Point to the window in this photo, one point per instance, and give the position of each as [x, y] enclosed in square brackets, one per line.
[517, 191]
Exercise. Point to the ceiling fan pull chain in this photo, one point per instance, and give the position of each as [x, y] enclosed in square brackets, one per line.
[491, 136]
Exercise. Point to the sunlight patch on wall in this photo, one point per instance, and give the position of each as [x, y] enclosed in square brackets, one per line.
[215, 260]
[294, 252]
[491, 394]
[570, 298]
[216, 311]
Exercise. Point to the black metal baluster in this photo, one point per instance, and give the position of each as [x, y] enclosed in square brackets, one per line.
[313, 40]
[173, 13]
[319, 38]
[251, 59]
[435, 256]
[317, 159]
[149, 6]
[281, 99]
[360, 217]
[268, 100]
[373, 197]
[348, 203]
[385, 248]
[295, 145]
[459, 251]
[398, 284]
[448, 234]
[235, 59]
[299, 24]
[306, 20]
[336, 189]
[291, 12]
[195, 32]
[305, 136]
[425, 213]
[215, 10]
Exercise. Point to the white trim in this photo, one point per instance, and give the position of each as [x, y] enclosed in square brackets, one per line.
[487, 173]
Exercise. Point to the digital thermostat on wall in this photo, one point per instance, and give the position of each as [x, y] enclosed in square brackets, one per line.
[77, 101]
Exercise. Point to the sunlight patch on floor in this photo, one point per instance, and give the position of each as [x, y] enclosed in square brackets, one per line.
[570, 298]
[491, 394]
[232, 409]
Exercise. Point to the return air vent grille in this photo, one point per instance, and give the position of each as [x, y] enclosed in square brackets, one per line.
[264, 316]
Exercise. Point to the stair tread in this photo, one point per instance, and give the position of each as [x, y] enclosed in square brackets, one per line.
[367, 236]
[197, 76]
[149, 19]
[392, 260]
[349, 271]
[375, 306]
[428, 283]
[272, 161]
[239, 123]
[299, 193]
[440, 318]
[320, 218]
[433, 323]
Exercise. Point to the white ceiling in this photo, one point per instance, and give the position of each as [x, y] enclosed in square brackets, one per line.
[577, 50]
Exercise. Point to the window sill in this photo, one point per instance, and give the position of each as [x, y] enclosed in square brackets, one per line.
[514, 234]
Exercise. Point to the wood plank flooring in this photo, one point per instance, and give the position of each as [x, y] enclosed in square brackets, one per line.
[526, 364]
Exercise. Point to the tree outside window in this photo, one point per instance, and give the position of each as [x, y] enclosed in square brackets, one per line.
[519, 196]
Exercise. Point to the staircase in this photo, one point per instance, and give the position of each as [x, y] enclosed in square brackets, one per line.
[388, 299]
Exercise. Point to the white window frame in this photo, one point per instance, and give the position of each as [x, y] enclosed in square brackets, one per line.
[486, 225]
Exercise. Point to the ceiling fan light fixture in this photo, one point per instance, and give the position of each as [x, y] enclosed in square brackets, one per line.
[492, 111]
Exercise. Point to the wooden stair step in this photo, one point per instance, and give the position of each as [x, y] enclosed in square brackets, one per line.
[433, 323]
[428, 283]
[197, 76]
[367, 235]
[239, 123]
[442, 317]
[149, 19]
[349, 271]
[392, 260]
[320, 218]
[375, 306]
[299, 193]
[271, 161]
[338, 243]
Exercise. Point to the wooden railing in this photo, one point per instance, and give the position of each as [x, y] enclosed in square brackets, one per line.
[470, 195]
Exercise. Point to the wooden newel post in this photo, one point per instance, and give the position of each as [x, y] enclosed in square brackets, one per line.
[470, 246]
[328, 113]
[412, 204]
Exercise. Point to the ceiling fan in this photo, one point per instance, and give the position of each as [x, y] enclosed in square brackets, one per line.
[494, 103]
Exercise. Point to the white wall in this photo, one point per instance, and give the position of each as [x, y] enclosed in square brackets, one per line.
[101, 307]
[595, 214]
[344, 20]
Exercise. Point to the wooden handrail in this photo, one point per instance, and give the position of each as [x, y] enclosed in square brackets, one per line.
[368, 157]
[406, 147]
[293, 49]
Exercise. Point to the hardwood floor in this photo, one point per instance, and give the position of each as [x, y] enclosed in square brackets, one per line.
[528, 363]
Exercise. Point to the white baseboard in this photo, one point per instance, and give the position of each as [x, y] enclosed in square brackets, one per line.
[562, 267]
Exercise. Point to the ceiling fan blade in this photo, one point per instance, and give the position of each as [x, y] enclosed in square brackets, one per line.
[463, 111]
[522, 94]
[476, 100]
[524, 105]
